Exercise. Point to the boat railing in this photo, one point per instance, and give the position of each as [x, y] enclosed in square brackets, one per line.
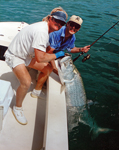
[56, 132]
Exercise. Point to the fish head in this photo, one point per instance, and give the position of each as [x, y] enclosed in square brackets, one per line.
[65, 69]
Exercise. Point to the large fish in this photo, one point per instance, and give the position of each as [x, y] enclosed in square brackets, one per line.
[76, 97]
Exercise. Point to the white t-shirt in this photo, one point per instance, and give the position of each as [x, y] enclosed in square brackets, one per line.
[32, 36]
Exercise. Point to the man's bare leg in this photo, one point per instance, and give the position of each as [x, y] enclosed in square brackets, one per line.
[45, 69]
[25, 81]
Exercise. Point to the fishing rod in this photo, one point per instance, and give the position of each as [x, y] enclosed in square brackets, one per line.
[88, 55]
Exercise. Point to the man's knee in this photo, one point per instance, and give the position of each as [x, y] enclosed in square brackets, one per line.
[26, 83]
[48, 69]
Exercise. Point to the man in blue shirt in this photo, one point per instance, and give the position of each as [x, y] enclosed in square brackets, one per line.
[58, 41]
[64, 39]
[61, 40]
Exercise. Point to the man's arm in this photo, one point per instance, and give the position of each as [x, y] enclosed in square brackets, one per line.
[41, 56]
[81, 49]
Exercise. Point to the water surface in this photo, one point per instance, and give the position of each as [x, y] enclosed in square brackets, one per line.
[100, 73]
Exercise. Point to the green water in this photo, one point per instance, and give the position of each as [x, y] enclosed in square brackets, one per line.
[100, 73]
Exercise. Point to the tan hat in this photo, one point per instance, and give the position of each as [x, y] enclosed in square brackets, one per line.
[76, 19]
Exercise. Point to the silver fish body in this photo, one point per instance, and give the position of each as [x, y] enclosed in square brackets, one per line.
[75, 92]
[76, 97]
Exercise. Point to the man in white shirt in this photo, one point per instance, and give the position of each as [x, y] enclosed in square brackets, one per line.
[63, 39]
[28, 48]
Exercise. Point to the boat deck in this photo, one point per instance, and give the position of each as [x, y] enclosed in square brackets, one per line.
[47, 119]
[14, 135]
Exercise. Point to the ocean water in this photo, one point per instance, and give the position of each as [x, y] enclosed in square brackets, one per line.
[100, 73]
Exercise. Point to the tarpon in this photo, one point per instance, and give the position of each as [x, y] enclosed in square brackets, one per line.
[76, 97]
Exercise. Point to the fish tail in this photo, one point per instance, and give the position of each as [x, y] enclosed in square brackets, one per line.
[95, 132]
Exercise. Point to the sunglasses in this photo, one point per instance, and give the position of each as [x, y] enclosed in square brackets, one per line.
[59, 22]
[77, 26]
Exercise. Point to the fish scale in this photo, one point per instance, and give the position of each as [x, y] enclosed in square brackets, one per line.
[75, 93]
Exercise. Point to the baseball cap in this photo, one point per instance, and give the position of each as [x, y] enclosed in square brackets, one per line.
[76, 19]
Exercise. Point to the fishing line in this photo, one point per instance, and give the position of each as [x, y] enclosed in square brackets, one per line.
[88, 55]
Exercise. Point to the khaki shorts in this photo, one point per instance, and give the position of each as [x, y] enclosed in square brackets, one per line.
[13, 61]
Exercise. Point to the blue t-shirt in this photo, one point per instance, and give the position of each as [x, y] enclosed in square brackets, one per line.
[56, 40]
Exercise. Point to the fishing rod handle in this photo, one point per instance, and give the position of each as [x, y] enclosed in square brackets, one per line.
[78, 57]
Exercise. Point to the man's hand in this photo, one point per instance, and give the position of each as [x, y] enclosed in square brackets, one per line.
[85, 49]
[59, 54]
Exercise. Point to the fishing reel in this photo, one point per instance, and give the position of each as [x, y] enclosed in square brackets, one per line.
[86, 57]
